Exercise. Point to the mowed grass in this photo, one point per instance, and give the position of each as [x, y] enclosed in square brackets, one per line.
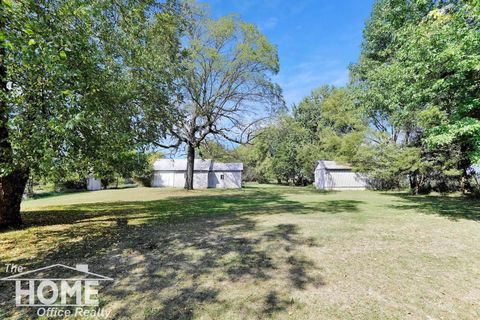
[258, 253]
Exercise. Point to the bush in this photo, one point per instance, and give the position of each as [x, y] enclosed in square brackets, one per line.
[143, 175]
[71, 185]
[144, 180]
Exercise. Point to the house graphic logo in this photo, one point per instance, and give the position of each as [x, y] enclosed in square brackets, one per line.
[77, 287]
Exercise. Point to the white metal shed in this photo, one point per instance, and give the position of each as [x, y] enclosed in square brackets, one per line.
[206, 174]
[331, 175]
[93, 184]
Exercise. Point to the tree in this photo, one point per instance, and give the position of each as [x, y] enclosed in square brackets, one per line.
[417, 80]
[282, 152]
[443, 56]
[325, 125]
[143, 171]
[65, 96]
[226, 86]
[379, 85]
[335, 122]
[287, 138]
[308, 112]
[212, 149]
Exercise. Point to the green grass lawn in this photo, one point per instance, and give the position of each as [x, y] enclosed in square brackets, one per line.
[258, 253]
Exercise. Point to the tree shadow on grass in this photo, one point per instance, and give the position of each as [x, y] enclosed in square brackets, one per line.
[171, 209]
[454, 208]
[338, 206]
[170, 258]
[274, 303]
[298, 265]
[291, 190]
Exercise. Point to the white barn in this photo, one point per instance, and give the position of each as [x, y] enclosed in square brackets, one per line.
[207, 174]
[333, 176]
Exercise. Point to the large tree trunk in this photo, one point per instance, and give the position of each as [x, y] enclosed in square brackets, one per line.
[12, 187]
[190, 167]
[414, 183]
[12, 183]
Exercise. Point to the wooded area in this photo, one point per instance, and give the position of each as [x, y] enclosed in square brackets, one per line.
[410, 116]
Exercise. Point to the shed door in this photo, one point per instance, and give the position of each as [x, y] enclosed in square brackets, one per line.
[212, 180]
[219, 179]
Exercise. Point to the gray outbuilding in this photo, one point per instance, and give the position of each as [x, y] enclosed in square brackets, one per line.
[207, 174]
[93, 184]
[330, 175]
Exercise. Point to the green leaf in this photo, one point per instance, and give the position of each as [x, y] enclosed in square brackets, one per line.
[31, 42]
[63, 55]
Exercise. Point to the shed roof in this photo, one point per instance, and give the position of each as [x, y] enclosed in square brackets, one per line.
[331, 165]
[219, 166]
[181, 165]
[199, 165]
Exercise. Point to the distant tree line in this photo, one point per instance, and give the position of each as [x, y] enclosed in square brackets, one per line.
[418, 84]
[325, 125]
[410, 116]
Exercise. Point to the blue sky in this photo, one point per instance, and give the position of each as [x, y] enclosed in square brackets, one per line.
[316, 39]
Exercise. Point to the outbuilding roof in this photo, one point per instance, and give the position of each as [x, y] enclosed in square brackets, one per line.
[234, 166]
[199, 165]
[331, 165]
[181, 165]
